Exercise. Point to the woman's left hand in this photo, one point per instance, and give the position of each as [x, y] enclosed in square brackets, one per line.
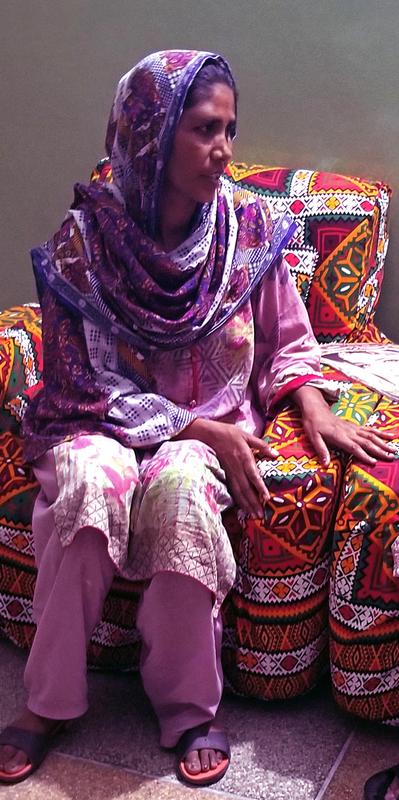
[323, 428]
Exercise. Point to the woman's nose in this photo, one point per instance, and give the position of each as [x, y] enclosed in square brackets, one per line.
[223, 150]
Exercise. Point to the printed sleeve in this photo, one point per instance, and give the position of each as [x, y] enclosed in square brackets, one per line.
[145, 417]
[148, 419]
[76, 398]
[287, 354]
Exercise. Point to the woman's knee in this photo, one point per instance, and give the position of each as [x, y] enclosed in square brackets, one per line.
[180, 477]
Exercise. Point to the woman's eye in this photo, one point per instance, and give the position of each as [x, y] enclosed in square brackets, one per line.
[210, 128]
[232, 131]
[205, 129]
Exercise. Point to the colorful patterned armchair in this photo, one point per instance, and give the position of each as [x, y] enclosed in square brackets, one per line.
[314, 581]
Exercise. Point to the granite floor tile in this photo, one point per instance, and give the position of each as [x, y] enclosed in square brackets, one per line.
[12, 664]
[68, 778]
[372, 749]
[280, 751]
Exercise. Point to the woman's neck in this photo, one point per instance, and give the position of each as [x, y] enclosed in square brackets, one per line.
[176, 216]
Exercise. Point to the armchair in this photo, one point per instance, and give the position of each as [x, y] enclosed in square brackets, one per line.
[314, 578]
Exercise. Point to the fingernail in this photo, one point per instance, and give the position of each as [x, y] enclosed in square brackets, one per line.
[274, 452]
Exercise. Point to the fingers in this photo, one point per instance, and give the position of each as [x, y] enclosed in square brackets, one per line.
[362, 442]
[369, 448]
[248, 495]
[246, 484]
[383, 441]
[381, 434]
[233, 449]
[320, 447]
[260, 448]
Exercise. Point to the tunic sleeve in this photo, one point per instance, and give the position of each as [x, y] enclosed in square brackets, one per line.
[148, 419]
[77, 398]
[145, 417]
[287, 354]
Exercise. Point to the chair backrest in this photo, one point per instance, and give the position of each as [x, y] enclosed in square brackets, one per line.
[337, 254]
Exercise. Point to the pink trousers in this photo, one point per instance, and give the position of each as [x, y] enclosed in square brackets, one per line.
[181, 652]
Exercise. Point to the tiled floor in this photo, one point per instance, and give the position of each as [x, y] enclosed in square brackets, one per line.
[300, 750]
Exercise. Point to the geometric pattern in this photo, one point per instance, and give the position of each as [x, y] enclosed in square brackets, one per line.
[293, 607]
[337, 253]
[115, 643]
[276, 640]
[364, 595]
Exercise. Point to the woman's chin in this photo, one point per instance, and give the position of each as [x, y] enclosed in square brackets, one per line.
[207, 195]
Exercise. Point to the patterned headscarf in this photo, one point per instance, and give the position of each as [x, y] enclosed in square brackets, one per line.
[120, 279]
[148, 103]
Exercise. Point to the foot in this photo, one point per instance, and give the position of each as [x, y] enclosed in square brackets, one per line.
[203, 755]
[13, 760]
[197, 761]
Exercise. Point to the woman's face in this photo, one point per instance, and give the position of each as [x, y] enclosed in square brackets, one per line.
[202, 147]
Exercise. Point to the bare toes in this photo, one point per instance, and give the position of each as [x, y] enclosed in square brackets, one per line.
[205, 759]
[213, 759]
[192, 762]
[12, 760]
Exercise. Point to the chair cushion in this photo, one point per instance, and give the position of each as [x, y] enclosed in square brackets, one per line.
[20, 374]
[20, 362]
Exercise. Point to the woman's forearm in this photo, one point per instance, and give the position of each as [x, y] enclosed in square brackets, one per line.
[200, 429]
[308, 398]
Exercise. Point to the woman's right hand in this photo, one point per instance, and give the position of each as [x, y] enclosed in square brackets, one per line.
[235, 451]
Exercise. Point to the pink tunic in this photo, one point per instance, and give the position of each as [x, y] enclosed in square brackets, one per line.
[160, 508]
[236, 374]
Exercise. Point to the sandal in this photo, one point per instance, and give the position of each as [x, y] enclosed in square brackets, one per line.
[377, 786]
[201, 738]
[35, 745]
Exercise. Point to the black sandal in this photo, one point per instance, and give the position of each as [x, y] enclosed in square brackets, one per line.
[377, 786]
[35, 745]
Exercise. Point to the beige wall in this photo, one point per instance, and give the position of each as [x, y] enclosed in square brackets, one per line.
[318, 88]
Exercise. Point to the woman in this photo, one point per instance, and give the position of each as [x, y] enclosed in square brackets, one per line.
[171, 327]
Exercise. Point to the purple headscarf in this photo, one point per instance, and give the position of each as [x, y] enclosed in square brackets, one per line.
[146, 110]
[120, 277]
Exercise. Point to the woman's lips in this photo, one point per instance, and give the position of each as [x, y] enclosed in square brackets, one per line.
[213, 177]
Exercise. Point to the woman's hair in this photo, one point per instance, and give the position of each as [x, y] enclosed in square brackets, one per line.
[201, 86]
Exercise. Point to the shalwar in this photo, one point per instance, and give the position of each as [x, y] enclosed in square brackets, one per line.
[180, 628]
